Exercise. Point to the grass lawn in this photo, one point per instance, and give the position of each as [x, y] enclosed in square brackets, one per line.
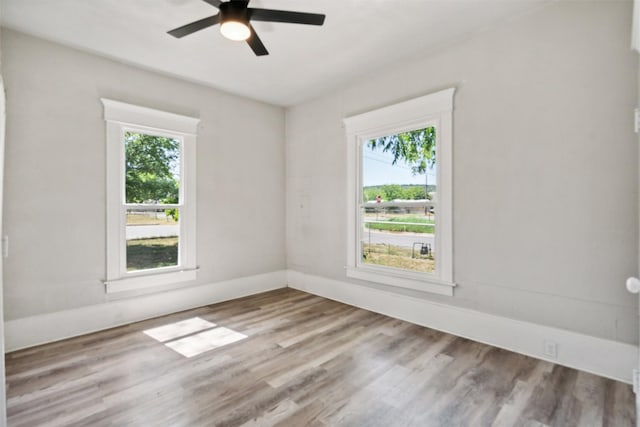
[143, 254]
[397, 257]
[418, 224]
[142, 219]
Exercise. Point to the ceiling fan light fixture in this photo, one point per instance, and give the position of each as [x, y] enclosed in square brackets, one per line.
[235, 30]
[235, 19]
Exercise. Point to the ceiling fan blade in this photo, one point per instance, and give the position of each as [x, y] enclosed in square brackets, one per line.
[214, 3]
[270, 15]
[256, 44]
[185, 30]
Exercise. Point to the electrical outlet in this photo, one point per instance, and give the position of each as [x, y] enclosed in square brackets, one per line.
[550, 349]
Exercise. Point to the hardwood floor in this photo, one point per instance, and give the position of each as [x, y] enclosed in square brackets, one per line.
[305, 361]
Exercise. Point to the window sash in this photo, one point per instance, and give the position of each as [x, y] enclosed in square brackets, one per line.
[360, 230]
[181, 246]
[152, 206]
[360, 222]
[158, 133]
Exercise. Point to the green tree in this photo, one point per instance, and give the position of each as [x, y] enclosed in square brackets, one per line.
[370, 194]
[391, 192]
[151, 168]
[414, 192]
[417, 148]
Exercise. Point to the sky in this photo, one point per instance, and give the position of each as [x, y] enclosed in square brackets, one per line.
[378, 170]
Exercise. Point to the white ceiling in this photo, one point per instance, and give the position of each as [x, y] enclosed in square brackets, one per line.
[303, 61]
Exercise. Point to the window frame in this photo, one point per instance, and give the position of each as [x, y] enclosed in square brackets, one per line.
[120, 118]
[436, 110]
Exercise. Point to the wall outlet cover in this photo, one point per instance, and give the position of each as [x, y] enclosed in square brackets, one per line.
[550, 349]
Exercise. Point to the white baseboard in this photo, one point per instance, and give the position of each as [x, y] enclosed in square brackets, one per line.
[607, 358]
[45, 328]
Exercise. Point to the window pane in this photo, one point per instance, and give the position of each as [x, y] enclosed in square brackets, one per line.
[399, 199]
[152, 168]
[152, 238]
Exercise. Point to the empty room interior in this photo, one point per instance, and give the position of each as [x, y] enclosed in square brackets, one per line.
[319, 213]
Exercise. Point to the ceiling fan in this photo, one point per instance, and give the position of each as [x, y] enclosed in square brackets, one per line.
[234, 19]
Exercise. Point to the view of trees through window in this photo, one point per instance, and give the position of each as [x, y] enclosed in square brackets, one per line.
[152, 192]
[399, 200]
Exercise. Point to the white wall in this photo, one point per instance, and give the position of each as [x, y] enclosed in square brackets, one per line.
[55, 174]
[545, 167]
[3, 405]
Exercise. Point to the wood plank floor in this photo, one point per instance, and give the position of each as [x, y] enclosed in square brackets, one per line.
[305, 361]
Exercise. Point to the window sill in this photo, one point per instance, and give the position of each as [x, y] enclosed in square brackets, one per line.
[404, 280]
[150, 280]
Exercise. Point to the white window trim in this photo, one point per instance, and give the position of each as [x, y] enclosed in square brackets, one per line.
[429, 110]
[120, 118]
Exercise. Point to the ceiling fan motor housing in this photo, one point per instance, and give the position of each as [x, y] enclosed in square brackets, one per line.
[234, 11]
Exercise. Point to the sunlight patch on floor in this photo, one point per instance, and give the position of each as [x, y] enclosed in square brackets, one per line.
[194, 336]
[205, 341]
[179, 329]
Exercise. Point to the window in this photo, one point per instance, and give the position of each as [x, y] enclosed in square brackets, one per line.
[400, 194]
[150, 197]
[399, 198]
